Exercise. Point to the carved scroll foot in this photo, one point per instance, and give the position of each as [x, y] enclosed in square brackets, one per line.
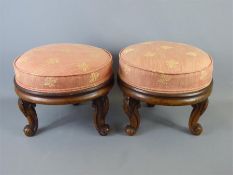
[198, 109]
[28, 109]
[101, 106]
[131, 109]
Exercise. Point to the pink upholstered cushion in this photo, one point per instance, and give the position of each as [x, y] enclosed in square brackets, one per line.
[59, 68]
[165, 67]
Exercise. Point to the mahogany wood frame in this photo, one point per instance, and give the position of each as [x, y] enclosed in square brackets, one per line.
[132, 97]
[28, 100]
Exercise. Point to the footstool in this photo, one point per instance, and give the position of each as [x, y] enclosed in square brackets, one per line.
[60, 74]
[165, 73]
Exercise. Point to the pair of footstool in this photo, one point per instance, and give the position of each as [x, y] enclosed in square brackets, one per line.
[157, 73]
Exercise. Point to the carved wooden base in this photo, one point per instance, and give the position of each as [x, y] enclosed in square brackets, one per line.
[28, 100]
[198, 100]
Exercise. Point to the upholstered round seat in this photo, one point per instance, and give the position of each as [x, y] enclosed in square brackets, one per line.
[60, 68]
[165, 67]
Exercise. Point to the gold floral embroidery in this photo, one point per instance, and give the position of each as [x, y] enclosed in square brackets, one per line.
[128, 50]
[203, 75]
[166, 47]
[150, 54]
[164, 79]
[83, 66]
[171, 63]
[94, 76]
[52, 61]
[50, 82]
[193, 54]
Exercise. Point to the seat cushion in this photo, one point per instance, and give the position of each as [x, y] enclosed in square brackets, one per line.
[59, 68]
[165, 67]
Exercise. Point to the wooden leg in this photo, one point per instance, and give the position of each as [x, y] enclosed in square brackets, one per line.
[131, 109]
[198, 109]
[101, 106]
[28, 109]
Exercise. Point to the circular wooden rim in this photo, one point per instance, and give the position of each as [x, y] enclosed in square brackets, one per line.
[165, 99]
[64, 98]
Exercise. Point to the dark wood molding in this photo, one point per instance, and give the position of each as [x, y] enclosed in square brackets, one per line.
[197, 99]
[28, 100]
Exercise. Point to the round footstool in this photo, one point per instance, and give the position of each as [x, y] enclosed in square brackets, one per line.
[165, 73]
[60, 74]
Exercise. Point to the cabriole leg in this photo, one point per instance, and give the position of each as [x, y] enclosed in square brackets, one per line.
[28, 109]
[198, 109]
[101, 106]
[131, 109]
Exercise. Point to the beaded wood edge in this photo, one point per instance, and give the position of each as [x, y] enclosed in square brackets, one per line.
[132, 97]
[28, 100]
